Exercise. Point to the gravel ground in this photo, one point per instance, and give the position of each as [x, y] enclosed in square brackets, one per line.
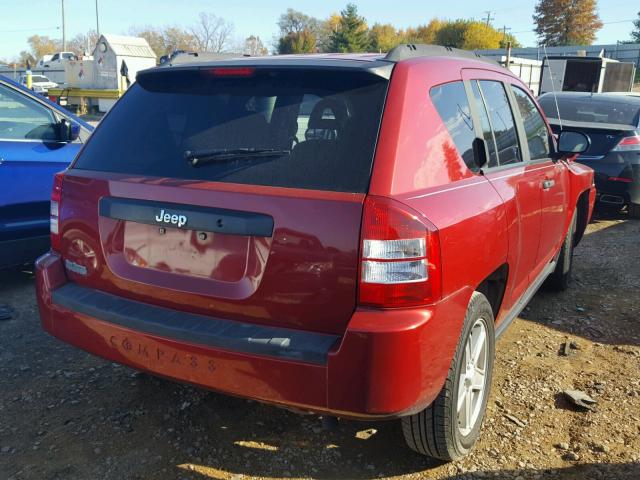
[65, 414]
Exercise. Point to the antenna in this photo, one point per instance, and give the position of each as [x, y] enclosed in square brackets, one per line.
[553, 85]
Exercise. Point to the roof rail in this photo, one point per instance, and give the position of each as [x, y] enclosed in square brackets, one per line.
[415, 50]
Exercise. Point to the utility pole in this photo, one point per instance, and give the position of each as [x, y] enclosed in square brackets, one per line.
[489, 17]
[97, 21]
[64, 31]
[504, 34]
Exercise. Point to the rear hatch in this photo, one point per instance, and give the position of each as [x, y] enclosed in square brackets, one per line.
[603, 137]
[233, 192]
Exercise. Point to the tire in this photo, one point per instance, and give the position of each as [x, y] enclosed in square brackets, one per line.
[634, 211]
[439, 431]
[560, 278]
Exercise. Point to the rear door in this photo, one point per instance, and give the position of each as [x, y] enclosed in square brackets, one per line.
[554, 180]
[30, 155]
[230, 192]
[516, 181]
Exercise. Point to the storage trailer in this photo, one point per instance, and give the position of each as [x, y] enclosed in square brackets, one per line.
[586, 74]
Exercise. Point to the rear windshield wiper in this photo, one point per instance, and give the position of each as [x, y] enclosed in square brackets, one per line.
[197, 158]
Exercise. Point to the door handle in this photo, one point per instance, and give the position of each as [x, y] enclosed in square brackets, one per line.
[547, 184]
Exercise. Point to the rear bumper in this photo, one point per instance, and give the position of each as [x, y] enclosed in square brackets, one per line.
[387, 364]
[617, 192]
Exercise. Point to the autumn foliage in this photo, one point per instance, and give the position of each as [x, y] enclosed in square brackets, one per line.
[566, 22]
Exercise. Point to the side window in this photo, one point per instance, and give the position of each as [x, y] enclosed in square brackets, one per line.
[22, 118]
[487, 132]
[453, 107]
[502, 122]
[534, 126]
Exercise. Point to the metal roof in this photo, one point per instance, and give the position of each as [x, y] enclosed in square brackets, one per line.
[124, 46]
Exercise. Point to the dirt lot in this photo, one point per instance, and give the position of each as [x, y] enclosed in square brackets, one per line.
[65, 414]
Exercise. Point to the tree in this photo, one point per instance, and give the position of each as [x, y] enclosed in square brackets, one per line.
[424, 33]
[293, 21]
[297, 42]
[153, 36]
[451, 34]
[83, 43]
[42, 45]
[510, 38]
[298, 32]
[26, 56]
[480, 36]
[566, 22]
[212, 33]
[383, 37]
[253, 46]
[165, 40]
[176, 38]
[351, 34]
[326, 28]
[635, 34]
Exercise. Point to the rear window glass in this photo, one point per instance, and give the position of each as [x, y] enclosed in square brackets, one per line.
[312, 129]
[592, 109]
[487, 132]
[502, 122]
[452, 104]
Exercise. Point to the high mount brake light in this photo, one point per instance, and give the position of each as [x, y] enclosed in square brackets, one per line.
[54, 211]
[233, 71]
[628, 144]
[400, 259]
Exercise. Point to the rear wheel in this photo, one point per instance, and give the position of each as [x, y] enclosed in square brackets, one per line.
[449, 427]
[560, 279]
[634, 210]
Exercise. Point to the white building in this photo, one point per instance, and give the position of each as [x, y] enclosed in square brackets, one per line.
[111, 51]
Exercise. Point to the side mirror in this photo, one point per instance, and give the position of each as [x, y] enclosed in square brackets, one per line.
[67, 131]
[572, 143]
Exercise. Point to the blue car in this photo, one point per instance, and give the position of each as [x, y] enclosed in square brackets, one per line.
[37, 139]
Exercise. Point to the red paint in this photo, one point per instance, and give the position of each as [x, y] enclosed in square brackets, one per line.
[389, 361]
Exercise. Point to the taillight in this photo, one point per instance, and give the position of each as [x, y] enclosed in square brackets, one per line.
[628, 144]
[400, 264]
[232, 71]
[54, 212]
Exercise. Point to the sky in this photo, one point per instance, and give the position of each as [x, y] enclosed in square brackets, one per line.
[23, 18]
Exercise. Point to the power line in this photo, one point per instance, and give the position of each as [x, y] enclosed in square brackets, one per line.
[603, 23]
[30, 30]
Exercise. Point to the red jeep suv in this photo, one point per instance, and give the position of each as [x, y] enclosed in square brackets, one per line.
[339, 234]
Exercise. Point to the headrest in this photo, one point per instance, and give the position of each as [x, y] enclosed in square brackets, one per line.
[328, 114]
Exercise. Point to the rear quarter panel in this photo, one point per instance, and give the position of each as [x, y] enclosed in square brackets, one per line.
[418, 164]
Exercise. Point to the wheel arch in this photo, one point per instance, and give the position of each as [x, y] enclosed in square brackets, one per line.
[493, 287]
[582, 217]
